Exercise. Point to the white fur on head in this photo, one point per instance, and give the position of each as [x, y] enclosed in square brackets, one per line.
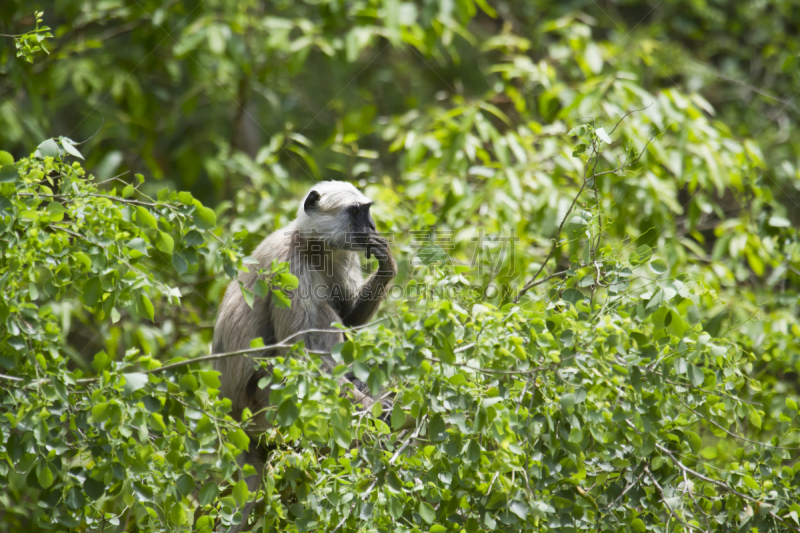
[334, 195]
[329, 217]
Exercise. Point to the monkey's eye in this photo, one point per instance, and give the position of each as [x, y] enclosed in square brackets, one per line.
[353, 210]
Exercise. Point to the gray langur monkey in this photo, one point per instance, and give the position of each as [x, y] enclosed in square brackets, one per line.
[322, 246]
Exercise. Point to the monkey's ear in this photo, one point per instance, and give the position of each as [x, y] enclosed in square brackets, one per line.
[311, 201]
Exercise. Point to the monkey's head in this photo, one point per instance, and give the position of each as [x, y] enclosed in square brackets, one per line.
[336, 213]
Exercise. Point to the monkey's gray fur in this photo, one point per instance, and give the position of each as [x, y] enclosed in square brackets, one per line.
[333, 226]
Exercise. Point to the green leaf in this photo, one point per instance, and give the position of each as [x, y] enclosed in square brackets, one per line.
[437, 431]
[57, 211]
[9, 174]
[93, 488]
[240, 493]
[157, 422]
[145, 307]
[577, 222]
[248, 296]
[575, 436]
[239, 439]
[365, 511]
[751, 483]
[659, 266]
[395, 508]
[145, 218]
[45, 477]
[791, 404]
[208, 493]
[568, 403]
[376, 410]
[185, 485]
[70, 148]
[577, 130]
[258, 342]
[188, 383]
[694, 441]
[193, 239]
[210, 378]
[48, 148]
[696, 375]
[394, 483]
[398, 417]
[287, 413]
[602, 135]
[101, 361]
[519, 508]
[344, 352]
[177, 514]
[638, 525]
[755, 418]
[139, 246]
[134, 382]
[572, 296]
[165, 243]
[92, 291]
[427, 512]
[280, 299]
[75, 498]
[204, 217]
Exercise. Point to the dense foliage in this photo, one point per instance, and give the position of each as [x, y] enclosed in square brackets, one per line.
[596, 322]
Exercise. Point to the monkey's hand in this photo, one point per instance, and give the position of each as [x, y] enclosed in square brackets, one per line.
[379, 247]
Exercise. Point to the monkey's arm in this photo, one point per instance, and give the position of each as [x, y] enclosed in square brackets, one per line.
[360, 310]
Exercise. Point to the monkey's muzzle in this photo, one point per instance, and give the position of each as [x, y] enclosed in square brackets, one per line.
[362, 241]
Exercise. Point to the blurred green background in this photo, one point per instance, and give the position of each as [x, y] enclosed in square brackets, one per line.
[221, 97]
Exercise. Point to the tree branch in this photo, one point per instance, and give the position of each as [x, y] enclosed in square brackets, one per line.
[734, 435]
[215, 357]
[664, 501]
[528, 286]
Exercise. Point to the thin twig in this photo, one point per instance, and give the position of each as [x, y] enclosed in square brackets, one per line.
[756, 90]
[528, 286]
[488, 370]
[96, 195]
[375, 482]
[102, 121]
[214, 357]
[626, 115]
[627, 488]
[701, 476]
[164, 286]
[664, 501]
[719, 484]
[734, 435]
[117, 177]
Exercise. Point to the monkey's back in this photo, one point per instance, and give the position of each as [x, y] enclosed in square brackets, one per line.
[238, 324]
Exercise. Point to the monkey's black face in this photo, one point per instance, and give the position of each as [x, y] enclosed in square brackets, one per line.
[361, 224]
[361, 219]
